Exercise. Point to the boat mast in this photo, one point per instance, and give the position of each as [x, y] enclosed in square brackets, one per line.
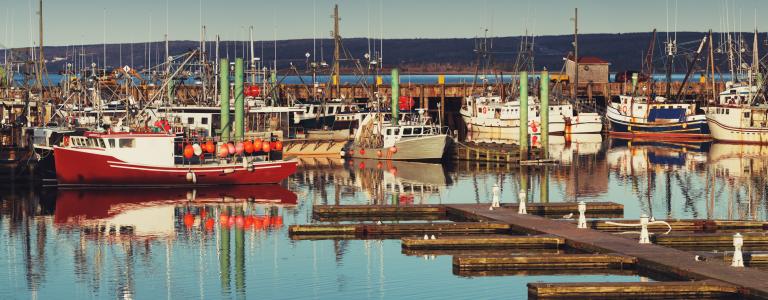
[576, 50]
[336, 51]
[41, 57]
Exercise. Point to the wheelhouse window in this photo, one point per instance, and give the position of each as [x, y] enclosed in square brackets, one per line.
[127, 143]
[204, 121]
[111, 143]
[746, 114]
[190, 120]
[417, 131]
[407, 131]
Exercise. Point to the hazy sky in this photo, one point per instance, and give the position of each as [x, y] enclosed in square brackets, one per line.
[82, 21]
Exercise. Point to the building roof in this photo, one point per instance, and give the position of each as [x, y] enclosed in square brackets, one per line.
[589, 60]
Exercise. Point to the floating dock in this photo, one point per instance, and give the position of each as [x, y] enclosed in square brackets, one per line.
[501, 242]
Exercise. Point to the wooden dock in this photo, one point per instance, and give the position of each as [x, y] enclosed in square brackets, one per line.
[501, 242]
[652, 258]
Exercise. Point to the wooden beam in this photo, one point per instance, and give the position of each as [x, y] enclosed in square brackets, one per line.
[633, 290]
[545, 262]
[484, 242]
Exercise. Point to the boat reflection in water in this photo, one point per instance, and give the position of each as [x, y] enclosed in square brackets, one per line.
[381, 182]
[138, 220]
[562, 148]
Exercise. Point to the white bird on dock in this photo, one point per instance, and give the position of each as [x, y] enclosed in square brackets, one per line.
[568, 216]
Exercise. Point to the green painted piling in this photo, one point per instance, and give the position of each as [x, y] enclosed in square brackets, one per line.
[395, 95]
[224, 98]
[523, 114]
[544, 112]
[634, 83]
[239, 100]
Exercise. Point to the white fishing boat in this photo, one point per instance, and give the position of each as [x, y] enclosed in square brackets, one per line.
[491, 114]
[739, 116]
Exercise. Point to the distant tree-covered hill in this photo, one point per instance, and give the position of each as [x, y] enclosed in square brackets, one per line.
[623, 51]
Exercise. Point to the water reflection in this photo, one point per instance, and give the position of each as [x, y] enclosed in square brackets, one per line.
[231, 242]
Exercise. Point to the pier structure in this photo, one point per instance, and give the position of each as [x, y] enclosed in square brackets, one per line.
[502, 241]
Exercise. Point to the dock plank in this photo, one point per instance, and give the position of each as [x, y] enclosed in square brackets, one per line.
[484, 242]
[707, 289]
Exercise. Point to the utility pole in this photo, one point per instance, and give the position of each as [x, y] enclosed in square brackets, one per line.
[336, 51]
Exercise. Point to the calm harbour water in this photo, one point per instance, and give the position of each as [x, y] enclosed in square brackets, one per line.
[155, 243]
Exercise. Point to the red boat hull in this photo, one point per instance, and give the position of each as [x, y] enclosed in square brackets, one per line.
[75, 167]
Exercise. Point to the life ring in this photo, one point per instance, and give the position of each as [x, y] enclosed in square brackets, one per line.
[624, 109]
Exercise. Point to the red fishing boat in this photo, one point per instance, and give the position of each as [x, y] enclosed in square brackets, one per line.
[126, 159]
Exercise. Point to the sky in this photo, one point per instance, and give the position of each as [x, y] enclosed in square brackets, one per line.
[70, 22]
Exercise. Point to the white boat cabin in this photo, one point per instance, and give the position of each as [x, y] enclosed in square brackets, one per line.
[145, 148]
[393, 134]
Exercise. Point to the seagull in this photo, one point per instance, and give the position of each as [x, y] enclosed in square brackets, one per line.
[568, 216]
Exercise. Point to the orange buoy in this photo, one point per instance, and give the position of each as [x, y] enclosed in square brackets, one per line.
[278, 221]
[210, 147]
[189, 151]
[209, 224]
[378, 165]
[351, 151]
[257, 144]
[279, 146]
[223, 152]
[240, 221]
[248, 147]
[265, 146]
[393, 149]
[378, 153]
[189, 220]
[239, 148]
[248, 221]
[224, 219]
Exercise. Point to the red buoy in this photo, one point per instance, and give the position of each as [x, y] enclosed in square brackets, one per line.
[209, 224]
[279, 146]
[189, 220]
[189, 151]
[231, 148]
[210, 147]
[265, 146]
[362, 151]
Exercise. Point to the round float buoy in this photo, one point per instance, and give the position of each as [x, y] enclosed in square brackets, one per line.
[223, 152]
[197, 149]
[362, 165]
[362, 151]
[257, 145]
[209, 224]
[378, 165]
[239, 148]
[189, 220]
[279, 146]
[378, 153]
[265, 146]
[189, 151]
[248, 147]
[231, 148]
[210, 147]
[240, 221]
[224, 219]
[393, 149]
